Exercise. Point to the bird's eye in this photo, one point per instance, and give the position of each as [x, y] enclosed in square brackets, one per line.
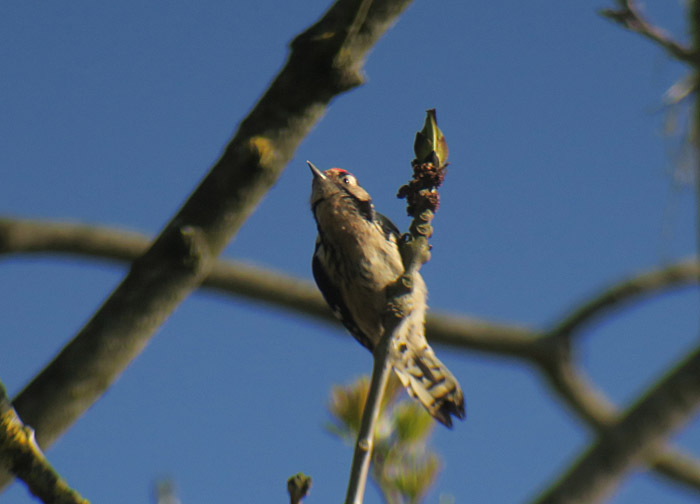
[347, 180]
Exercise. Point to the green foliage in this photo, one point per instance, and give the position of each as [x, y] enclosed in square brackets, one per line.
[403, 467]
[416, 475]
[412, 422]
[347, 403]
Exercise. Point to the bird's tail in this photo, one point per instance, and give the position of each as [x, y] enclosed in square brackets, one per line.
[428, 380]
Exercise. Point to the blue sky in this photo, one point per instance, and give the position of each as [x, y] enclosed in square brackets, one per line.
[561, 182]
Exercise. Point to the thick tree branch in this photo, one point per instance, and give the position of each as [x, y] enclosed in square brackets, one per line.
[628, 443]
[324, 62]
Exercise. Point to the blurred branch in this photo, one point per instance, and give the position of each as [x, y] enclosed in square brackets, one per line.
[597, 411]
[578, 393]
[20, 454]
[324, 62]
[164, 492]
[549, 354]
[571, 385]
[663, 409]
[629, 15]
[676, 466]
[633, 289]
[695, 129]
[26, 236]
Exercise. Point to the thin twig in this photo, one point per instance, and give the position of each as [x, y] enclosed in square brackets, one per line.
[365, 437]
[629, 15]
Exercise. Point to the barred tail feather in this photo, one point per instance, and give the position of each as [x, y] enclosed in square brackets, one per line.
[428, 380]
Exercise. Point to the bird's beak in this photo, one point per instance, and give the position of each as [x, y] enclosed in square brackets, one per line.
[318, 174]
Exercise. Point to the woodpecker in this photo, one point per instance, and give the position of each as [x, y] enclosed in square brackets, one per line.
[355, 259]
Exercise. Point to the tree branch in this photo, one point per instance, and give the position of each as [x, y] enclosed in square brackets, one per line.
[20, 454]
[634, 288]
[676, 466]
[183, 255]
[597, 411]
[695, 128]
[626, 444]
[23, 236]
[364, 444]
[26, 236]
[629, 16]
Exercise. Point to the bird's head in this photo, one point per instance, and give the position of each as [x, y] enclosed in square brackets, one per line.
[339, 188]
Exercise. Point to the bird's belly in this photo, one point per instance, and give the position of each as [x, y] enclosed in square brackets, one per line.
[365, 295]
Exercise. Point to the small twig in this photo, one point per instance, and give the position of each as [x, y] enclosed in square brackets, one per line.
[422, 197]
[365, 437]
[21, 455]
[629, 16]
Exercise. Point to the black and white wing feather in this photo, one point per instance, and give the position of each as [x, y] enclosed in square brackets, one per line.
[331, 293]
